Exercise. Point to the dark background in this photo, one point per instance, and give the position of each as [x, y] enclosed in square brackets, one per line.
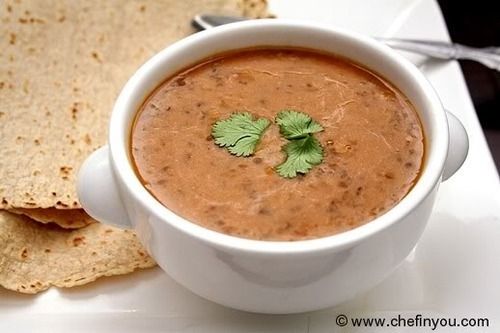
[477, 23]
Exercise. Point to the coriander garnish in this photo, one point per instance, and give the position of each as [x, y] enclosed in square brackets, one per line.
[296, 125]
[239, 133]
[302, 155]
[303, 151]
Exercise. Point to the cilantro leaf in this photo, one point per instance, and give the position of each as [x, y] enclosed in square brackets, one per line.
[303, 150]
[239, 133]
[296, 125]
[302, 155]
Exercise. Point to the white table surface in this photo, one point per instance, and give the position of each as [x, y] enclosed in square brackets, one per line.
[453, 272]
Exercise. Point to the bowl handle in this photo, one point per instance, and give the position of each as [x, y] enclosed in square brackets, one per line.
[458, 146]
[98, 191]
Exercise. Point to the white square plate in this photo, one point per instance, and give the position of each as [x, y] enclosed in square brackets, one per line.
[453, 272]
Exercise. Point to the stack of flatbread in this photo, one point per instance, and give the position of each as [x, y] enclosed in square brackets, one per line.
[62, 64]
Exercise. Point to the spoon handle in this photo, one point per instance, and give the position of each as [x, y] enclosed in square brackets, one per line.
[488, 56]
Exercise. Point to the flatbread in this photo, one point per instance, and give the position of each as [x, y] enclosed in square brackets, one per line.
[65, 218]
[34, 256]
[62, 64]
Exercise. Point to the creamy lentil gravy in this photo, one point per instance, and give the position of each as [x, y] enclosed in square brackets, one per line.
[372, 140]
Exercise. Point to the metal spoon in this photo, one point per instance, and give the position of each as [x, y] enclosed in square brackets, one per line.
[488, 56]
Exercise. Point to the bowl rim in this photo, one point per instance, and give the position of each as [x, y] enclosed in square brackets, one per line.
[125, 174]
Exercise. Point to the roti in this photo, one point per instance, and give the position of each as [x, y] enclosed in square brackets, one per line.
[65, 218]
[62, 64]
[35, 256]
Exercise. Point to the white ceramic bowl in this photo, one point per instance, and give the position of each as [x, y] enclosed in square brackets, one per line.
[266, 276]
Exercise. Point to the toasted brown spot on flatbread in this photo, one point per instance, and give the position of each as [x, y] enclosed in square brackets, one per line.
[77, 241]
